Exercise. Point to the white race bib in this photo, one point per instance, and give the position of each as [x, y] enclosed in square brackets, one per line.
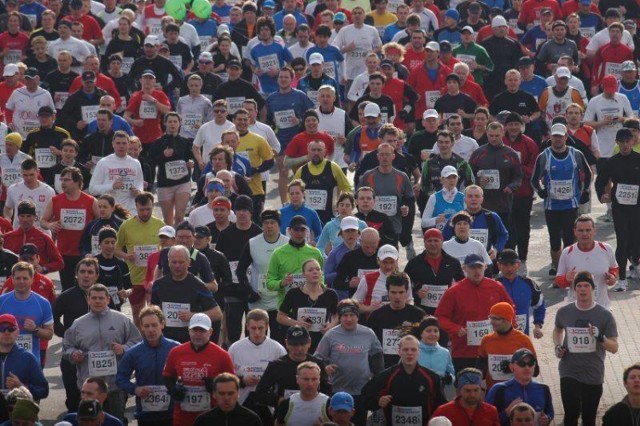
[495, 367]
[521, 322]
[561, 189]
[172, 311]
[13, 56]
[390, 341]
[234, 104]
[11, 175]
[89, 112]
[627, 194]
[430, 98]
[196, 399]
[176, 169]
[73, 219]
[481, 235]
[298, 281]
[316, 199]
[314, 316]
[102, 363]
[269, 61]
[127, 61]
[579, 340]
[45, 158]
[476, 330]
[466, 59]
[358, 53]
[29, 126]
[329, 69]
[113, 292]
[191, 121]
[492, 178]
[176, 60]
[148, 110]
[284, 119]
[25, 341]
[406, 415]
[434, 294]
[95, 245]
[59, 98]
[158, 400]
[142, 254]
[613, 69]
[588, 32]
[387, 204]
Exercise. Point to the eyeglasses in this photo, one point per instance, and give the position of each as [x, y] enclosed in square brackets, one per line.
[529, 363]
[219, 111]
[205, 62]
[10, 329]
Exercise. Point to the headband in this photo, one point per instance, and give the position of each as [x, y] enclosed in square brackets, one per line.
[348, 309]
[270, 215]
[221, 203]
[215, 186]
[106, 233]
[469, 378]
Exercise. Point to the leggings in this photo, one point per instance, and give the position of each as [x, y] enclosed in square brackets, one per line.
[560, 227]
[520, 229]
[579, 398]
[627, 235]
[234, 311]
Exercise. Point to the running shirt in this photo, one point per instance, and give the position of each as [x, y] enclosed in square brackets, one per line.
[111, 168]
[257, 150]
[73, 216]
[25, 105]
[141, 239]
[599, 108]
[296, 411]
[40, 195]
[209, 135]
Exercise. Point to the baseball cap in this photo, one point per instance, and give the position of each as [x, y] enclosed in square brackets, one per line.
[628, 66]
[28, 250]
[148, 72]
[498, 21]
[473, 259]
[10, 70]
[445, 46]
[525, 61]
[508, 256]
[234, 63]
[372, 110]
[468, 28]
[202, 232]
[558, 23]
[433, 45]
[521, 353]
[558, 129]
[388, 251]
[386, 63]
[152, 40]
[223, 29]
[8, 319]
[298, 221]
[448, 171]
[200, 320]
[316, 58]
[31, 73]
[609, 83]
[453, 14]
[430, 113]
[341, 401]
[89, 76]
[297, 335]
[340, 17]
[167, 231]
[624, 134]
[546, 11]
[75, 4]
[453, 76]
[630, 23]
[89, 409]
[45, 110]
[349, 222]
[563, 72]
[269, 4]
[205, 57]
[585, 2]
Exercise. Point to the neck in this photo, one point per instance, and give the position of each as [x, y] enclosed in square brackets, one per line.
[243, 225]
[180, 277]
[634, 400]
[584, 304]
[385, 169]
[586, 246]
[22, 295]
[5, 349]
[560, 149]
[409, 368]
[308, 397]
[154, 343]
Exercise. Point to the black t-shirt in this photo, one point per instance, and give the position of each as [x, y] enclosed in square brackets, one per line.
[200, 266]
[521, 102]
[386, 318]
[7, 260]
[348, 268]
[232, 240]
[387, 107]
[167, 293]
[448, 104]
[182, 50]
[114, 273]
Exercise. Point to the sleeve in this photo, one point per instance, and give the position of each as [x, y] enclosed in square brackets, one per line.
[342, 278]
[55, 262]
[330, 267]
[132, 334]
[324, 237]
[274, 276]
[85, 241]
[338, 174]
[371, 391]
[58, 328]
[361, 291]
[286, 307]
[428, 221]
[316, 226]
[97, 186]
[281, 411]
[503, 233]
[265, 392]
[537, 172]
[243, 264]
[444, 312]
[123, 377]
[38, 385]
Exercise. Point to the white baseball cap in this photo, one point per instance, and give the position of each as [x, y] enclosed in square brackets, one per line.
[10, 70]
[349, 222]
[563, 72]
[388, 251]
[448, 171]
[151, 39]
[433, 45]
[316, 58]
[558, 129]
[167, 231]
[372, 110]
[430, 113]
[498, 21]
[200, 320]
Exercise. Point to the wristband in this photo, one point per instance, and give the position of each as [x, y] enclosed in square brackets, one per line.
[600, 337]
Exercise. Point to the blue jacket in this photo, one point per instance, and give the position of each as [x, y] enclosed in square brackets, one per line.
[526, 294]
[24, 365]
[437, 359]
[535, 394]
[147, 363]
[497, 232]
[313, 220]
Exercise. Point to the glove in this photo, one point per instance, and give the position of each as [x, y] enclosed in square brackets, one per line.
[178, 392]
[208, 384]
[543, 193]
[405, 114]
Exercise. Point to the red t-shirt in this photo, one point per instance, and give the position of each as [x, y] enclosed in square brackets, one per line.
[5, 93]
[90, 28]
[150, 130]
[73, 216]
[104, 82]
[413, 59]
[298, 147]
[193, 367]
[16, 42]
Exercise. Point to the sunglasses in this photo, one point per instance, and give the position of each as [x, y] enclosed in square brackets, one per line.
[10, 329]
[205, 62]
[219, 111]
[530, 363]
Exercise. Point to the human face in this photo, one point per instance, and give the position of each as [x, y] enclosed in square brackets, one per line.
[178, 264]
[68, 185]
[388, 265]
[350, 236]
[461, 229]
[409, 352]
[40, 50]
[499, 324]
[298, 234]
[270, 227]
[513, 128]
[13, 24]
[584, 232]
[199, 336]
[298, 353]
[185, 237]
[47, 21]
[430, 335]
[455, 126]
[120, 146]
[98, 301]
[584, 292]
[523, 418]
[349, 321]
[473, 198]
[226, 395]
[397, 297]
[107, 102]
[512, 81]
[26, 221]
[453, 87]
[284, 80]
[632, 384]
[296, 195]
[151, 328]
[173, 125]
[312, 273]
[257, 331]
[417, 41]
[470, 394]
[105, 210]
[559, 32]
[108, 246]
[494, 136]
[311, 124]
[345, 208]
[509, 269]
[134, 149]
[243, 217]
[308, 379]
[144, 211]
[365, 201]
[615, 35]
[385, 155]
[22, 281]
[449, 182]
[358, 16]
[9, 336]
[523, 369]
[375, 86]
[475, 273]
[241, 121]
[626, 146]
[46, 120]
[103, 122]
[92, 391]
[219, 162]
[316, 152]
[194, 87]
[558, 141]
[220, 214]
[30, 176]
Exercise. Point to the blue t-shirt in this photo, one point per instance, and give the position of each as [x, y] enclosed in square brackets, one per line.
[279, 17]
[333, 60]
[119, 123]
[535, 86]
[534, 38]
[265, 56]
[208, 28]
[313, 220]
[33, 9]
[222, 12]
[280, 106]
[389, 31]
[35, 308]
[109, 420]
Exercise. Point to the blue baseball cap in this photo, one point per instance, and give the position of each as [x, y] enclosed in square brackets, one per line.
[269, 4]
[473, 259]
[340, 17]
[454, 14]
[341, 401]
[215, 186]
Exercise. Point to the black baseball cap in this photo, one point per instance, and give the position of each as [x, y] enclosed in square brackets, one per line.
[508, 256]
[298, 222]
[297, 335]
[89, 76]
[525, 61]
[45, 110]
[202, 232]
[89, 409]
[234, 63]
[28, 251]
[31, 73]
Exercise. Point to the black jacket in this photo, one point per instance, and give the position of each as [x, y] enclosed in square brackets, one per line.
[620, 414]
[72, 111]
[239, 416]
[72, 304]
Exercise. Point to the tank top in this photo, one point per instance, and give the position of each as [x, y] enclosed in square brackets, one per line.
[447, 208]
[557, 105]
[562, 181]
[633, 94]
[261, 251]
[306, 412]
[319, 189]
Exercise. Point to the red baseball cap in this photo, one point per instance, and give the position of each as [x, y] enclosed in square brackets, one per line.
[8, 319]
[609, 84]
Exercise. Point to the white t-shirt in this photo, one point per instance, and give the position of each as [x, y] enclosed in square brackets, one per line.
[250, 359]
[77, 48]
[600, 107]
[111, 168]
[358, 86]
[40, 195]
[25, 106]
[209, 136]
[602, 37]
[300, 52]
[460, 251]
[598, 261]
[380, 292]
[464, 147]
[365, 38]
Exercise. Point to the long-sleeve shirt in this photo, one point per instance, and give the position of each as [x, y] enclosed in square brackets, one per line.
[50, 257]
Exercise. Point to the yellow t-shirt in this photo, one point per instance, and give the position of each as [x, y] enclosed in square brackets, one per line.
[255, 148]
[141, 239]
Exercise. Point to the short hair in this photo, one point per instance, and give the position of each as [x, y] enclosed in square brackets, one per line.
[414, 19]
[289, 70]
[521, 407]
[228, 154]
[494, 125]
[327, 87]
[258, 315]
[144, 198]
[88, 261]
[345, 195]
[617, 25]
[377, 76]
[28, 164]
[307, 365]
[48, 12]
[76, 174]
[226, 378]
[121, 134]
[172, 114]
[303, 28]
[39, 40]
[220, 103]
[297, 182]
[574, 105]
[408, 337]
[583, 218]
[17, 14]
[99, 288]
[397, 279]
[304, 264]
[446, 134]
[71, 143]
[388, 129]
[349, 302]
[252, 102]
[365, 189]
[180, 248]
[103, 387]
[513, 72]
[152, 310]
[628, 370]
[240, 111]
[453, 117]
[23, 266]
[230, 132]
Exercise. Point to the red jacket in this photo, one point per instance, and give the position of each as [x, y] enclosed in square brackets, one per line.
[421, 82]
[572, 6]
[609, 54]
[104, 82]
[528, 152]
[50, 257]
[486, 32]
[485, 414]
[531, 10]
[466, 301]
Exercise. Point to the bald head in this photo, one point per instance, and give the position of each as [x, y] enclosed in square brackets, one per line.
[369, 240]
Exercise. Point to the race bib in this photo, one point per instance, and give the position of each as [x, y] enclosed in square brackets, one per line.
[57, 183]
[313, 97]
[467, 59]
[627, 194]
[481, 235]
[269, 61]
[95, 245]
[262, 282]
[191, 121]
[358, 53]
[59, 98]
[434, 294]
[172, 311]
[89, 112]
[387, 204]
[289, 392]
[102, 363]
[579, 340]
[561, 189]
[521, 322]
[316, 199]
[476, 330]
[157, 400]
[45, 158]
[196, 399]
[613, 69]
[492, 177]
[329, 69]
[148, 110]
[204, 42]
[142, 254]
[298, 281]
[588, 32]
[13, 56]
[113, 292]
[314, 316]
[406, 415]
[11, 175]
[390, 341]
[495, 367]
[234, 271]
[176, 169]
[73, 219]
[29, 126]
[430, 98]
[25, 341]
[176, 60]
[284, 119]
[127, 61]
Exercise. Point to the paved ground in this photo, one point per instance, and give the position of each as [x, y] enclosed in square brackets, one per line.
[625, 308]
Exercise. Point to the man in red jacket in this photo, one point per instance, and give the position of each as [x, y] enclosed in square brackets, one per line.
[104, 82]
[464, 310]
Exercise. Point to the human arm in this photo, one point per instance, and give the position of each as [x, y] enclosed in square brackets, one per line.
[125, 369]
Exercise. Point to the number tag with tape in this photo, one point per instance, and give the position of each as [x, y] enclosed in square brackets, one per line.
[102, 363]
[157, 400]
[476, 330]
